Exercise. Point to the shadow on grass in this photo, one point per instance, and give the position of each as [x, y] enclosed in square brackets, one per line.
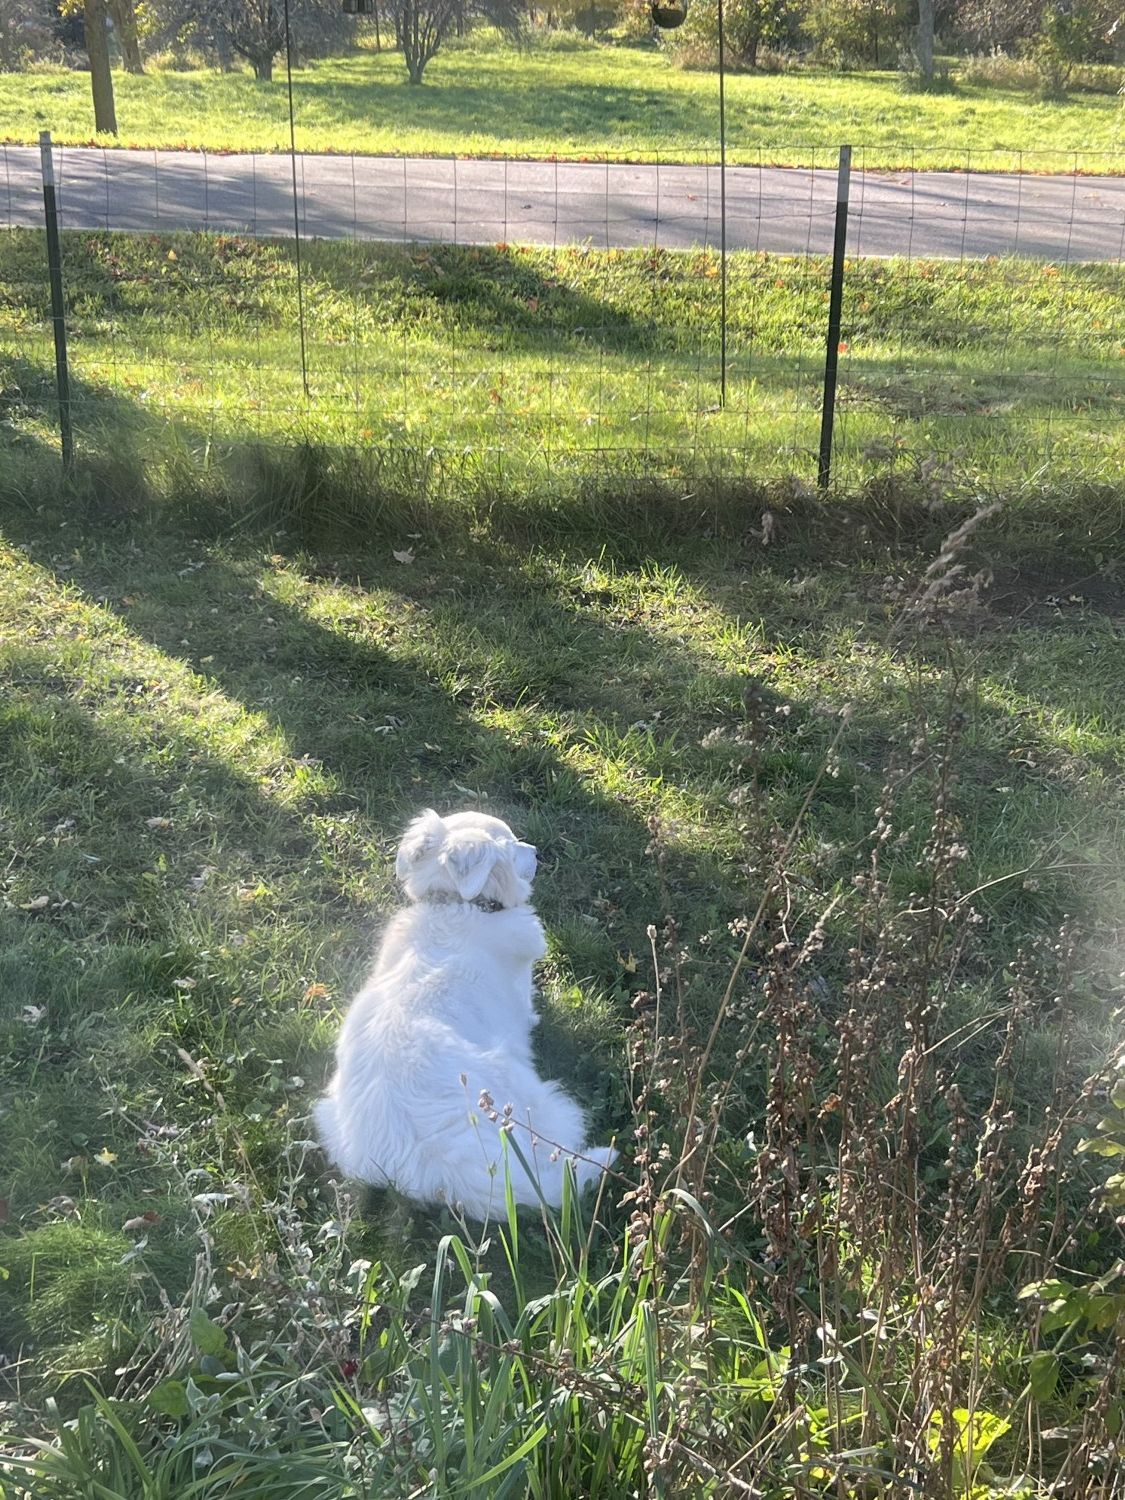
[385, 686]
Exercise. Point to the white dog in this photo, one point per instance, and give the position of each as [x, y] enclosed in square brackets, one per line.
[443, 1028]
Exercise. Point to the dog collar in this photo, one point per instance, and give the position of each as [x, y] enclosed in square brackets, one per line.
[447, 898]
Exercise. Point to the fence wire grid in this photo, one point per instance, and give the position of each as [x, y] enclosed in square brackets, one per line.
[525, 321]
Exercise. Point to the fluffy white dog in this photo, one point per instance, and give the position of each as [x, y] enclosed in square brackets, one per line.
[443, 1028]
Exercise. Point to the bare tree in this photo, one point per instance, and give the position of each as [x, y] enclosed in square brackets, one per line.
[255, 29]
[422, 25]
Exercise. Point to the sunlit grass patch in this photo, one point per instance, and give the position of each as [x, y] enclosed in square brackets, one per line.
[582, 100]
[209, 744]
[451, 373]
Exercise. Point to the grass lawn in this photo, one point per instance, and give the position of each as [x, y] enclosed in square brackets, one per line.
[508, 554]
[208, 749]
[578, 99]
[461, 369]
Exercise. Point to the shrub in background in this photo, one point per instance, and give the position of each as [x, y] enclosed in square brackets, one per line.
[753, 29]
[860, 33]
[1071, 34]
[1004, 71]
[25, 33]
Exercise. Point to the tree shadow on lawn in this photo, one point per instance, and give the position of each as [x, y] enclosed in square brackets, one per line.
[392, 688]
[500, 103]
[116, 810]
[498, 295]
[231, 285]
[367, 682]
[443, 744]
[325, 651]
[138, 914]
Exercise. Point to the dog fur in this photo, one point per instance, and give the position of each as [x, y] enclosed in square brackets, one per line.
[443, 1027]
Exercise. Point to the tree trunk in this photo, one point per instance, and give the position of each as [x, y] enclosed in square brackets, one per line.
[925, 44]
[263, 67]
[101, 79]
[125, 29]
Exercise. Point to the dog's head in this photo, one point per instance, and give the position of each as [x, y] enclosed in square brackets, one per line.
[468, 856]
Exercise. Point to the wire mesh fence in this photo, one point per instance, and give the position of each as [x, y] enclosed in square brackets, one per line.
[530, 321]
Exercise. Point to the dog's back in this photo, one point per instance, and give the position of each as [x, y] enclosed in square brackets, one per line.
[444, 1021]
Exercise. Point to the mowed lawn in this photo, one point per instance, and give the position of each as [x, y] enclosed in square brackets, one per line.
[208, 748]
[522, 369]
[577, 99]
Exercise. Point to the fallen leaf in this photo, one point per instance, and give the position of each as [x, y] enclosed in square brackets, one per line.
[405, 556]
[183, 984]
[158, 822]
[105, 1156]
[61, 1204]
[208, 1201]
[38, 903]
[142, 1221]
[316, 992]
[33, 1014]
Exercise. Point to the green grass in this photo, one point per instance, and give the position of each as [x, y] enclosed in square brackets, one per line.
[494, 561]
[209, 748]
[578, 99]
[540, 370]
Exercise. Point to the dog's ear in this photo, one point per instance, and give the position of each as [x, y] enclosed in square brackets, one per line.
[425, 834]
[469, 859]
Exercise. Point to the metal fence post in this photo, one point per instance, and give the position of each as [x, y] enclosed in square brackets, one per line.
[835, 301]
[58, 309]
[722, 210]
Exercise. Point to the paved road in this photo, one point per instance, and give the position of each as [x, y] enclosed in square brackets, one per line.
[942, 214]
